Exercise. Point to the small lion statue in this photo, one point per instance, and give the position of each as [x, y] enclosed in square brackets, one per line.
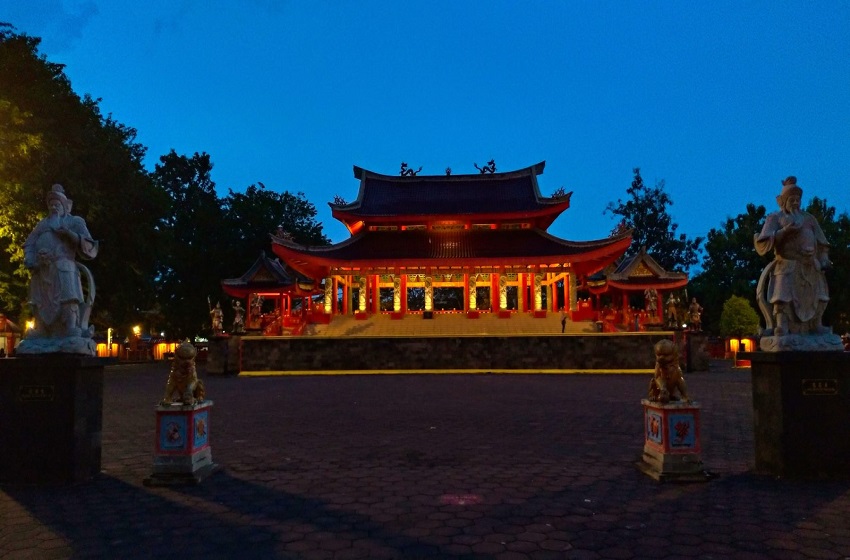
[668, 379]
[183, 378]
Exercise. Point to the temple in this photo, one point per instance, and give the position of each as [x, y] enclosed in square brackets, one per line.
[278, 298]
[450, 244]
[635, 290]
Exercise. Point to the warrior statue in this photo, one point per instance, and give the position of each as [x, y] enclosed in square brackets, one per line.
[60, 306]
[792, 291]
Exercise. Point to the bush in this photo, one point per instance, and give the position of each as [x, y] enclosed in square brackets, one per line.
[738, 318]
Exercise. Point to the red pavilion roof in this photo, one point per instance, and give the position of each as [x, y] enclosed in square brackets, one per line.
[268, 276]
[642, 272]
[466, 249]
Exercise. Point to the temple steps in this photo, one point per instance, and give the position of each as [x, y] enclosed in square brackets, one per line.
[449, 324]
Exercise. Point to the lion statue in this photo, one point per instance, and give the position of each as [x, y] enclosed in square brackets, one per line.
[183, 378]
[668, 379]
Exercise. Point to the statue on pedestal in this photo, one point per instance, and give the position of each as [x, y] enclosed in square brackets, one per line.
[183, 378]
[792, 292]
[667, 383]
[238, 317]
[695, 315]
[60, 306]
[672, 311]
[216, 318]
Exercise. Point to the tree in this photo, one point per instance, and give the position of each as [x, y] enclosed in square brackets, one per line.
[49, 134]
[191, 261]
[208, 238]
[738, 318]
[645, 212]
[252, 215]
[837, 232]
[730, 265]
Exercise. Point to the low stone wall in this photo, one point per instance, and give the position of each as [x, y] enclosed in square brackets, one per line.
[593, 352]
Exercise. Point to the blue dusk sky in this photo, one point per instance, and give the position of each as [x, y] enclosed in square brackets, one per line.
[720, 99]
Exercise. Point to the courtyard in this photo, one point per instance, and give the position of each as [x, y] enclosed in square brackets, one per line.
[496, 467]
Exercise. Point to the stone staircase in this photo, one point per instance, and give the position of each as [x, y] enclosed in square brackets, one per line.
[448, 324]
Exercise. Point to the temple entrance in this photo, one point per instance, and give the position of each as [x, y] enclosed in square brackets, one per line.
[448, 299]
[416, 299]
[482, 298]
[386, 296]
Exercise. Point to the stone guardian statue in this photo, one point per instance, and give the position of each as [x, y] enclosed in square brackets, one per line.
[792, 292]
[60, 305]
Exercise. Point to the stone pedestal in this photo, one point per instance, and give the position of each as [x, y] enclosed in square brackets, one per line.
[696, 356]
[671, 449]
[223, 356]
[51, 417]
[801, 413]
[182, 452]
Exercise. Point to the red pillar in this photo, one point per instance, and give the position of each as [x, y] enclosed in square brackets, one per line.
[659, 308]
[376, 294]
[494, 292]
[527, 293]
[335, 298]
[403, 288]
[465, 292]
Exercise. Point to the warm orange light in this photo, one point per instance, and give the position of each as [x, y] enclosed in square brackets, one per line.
[734, 344]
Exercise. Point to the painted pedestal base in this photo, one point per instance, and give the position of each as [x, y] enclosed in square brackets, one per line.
[671, 450]
[182, 449]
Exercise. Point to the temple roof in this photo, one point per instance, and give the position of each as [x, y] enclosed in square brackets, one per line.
[266, 275]
[466, 249]
[641, 272]
[508, 195]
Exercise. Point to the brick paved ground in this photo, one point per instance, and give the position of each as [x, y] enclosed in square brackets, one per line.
[439, 466]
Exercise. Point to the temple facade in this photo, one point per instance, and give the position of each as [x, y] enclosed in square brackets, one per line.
[451, 244]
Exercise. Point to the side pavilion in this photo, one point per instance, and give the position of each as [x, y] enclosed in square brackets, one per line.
[451, 244]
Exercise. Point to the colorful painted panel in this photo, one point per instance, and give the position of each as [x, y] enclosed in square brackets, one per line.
[653, 427]
[202, 430]
[682, 428]
[173, 434]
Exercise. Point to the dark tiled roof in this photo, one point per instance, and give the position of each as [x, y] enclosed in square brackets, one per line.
[642, 268]
[264, 273]
[424, 245]
[497, 193]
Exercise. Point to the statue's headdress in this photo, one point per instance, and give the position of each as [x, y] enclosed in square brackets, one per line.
[789, 186]
[57, 192]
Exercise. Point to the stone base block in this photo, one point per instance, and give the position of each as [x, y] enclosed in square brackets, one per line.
[223, 356]
[801, 413]
[672, 468]
[51, 414]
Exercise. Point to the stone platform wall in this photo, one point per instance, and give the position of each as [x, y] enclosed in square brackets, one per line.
[599, 352]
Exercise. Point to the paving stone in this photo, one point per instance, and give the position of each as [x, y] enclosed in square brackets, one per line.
[309, 474]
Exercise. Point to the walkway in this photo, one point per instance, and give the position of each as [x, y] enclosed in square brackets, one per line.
[520, 467]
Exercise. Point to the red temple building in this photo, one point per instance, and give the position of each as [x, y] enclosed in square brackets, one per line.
[451, 244]
[637, 279]
[278, 298]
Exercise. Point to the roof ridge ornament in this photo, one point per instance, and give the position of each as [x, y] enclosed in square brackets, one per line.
[408, 171]
[284, 234]
[489, 168]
